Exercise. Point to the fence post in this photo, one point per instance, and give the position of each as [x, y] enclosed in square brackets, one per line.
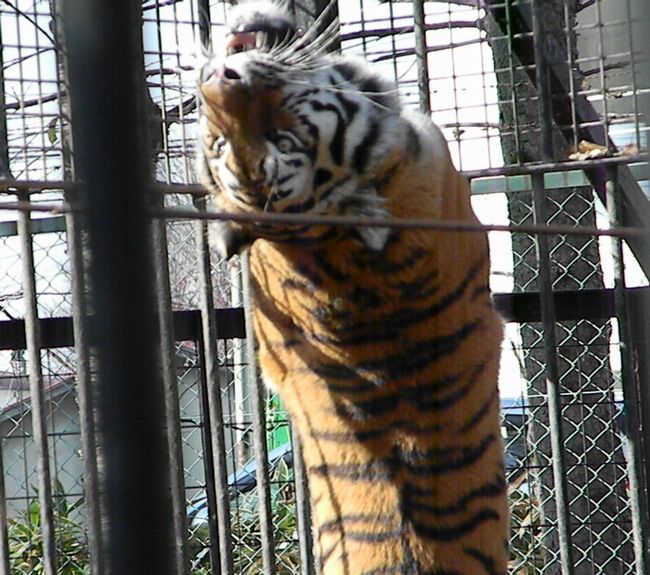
[105, 67]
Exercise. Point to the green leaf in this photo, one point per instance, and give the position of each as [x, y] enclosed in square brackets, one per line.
[51, 131]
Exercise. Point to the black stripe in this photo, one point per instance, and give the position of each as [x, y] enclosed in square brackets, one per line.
[337, 145]
[391, 326]
[410, 360]
[479, 291]
[327, 555]
[380, 470]
[298, 96]
[488, 563]
[321, 176]
[300, 208]
[443, 460]
[407, 569]
[452, 533]
[416, 357]
[378, 263]
[327, 192]
[422, 392]
[338, 523]
[366, 409]
[487, 408]
[371, 537]
[333, 371]
[361, 154]
[494, 488]
[365, 435]
[365, 298]
[390, 570]
[351, 108]
[413, 144]
[326, 266]
[284, 179]
[421, 287]
[418, 463]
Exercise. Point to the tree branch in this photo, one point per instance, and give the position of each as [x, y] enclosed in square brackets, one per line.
[381, 32]
[18, 105]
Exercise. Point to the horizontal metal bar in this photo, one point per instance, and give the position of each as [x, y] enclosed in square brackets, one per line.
[39, 226]
[552, 180]
[513, 307]
[642, 234]
[58, 331]
[11, 185]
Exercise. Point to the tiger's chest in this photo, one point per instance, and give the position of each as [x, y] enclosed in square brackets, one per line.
[342, 295]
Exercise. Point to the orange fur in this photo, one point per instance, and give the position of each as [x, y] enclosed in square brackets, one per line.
[414, 191]
[385, 353]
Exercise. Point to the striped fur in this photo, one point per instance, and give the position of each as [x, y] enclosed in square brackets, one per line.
[383, 344]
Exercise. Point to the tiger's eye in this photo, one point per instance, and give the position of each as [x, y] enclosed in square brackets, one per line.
[218, 146]
[285, 145]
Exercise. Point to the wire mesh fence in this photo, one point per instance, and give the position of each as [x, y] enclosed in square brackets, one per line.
[506, 101]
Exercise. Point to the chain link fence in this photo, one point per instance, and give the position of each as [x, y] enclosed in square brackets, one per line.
[475, 67]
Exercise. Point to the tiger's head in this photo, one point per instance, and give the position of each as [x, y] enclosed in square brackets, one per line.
[286, 128]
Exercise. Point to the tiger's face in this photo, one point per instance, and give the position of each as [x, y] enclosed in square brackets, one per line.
[285, 129]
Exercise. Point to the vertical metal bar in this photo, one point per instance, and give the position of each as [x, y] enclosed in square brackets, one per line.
[546, 296]
[421, 56]
[39, 431]
[209, 332]
[4, 541]
[259, 431]
[204, 23]
[4, 140]
[104, 42]
[172, 407]
[602, 75]
[307, 11]
[4, 173]
[87, 423]
[208, 460]
[544, 101]
[631, 396]
[215, 517]
[78, 291]
[571, 74]
[633, 73]
[552, 377]
[513, 82]
[303, 508]
[240, 369]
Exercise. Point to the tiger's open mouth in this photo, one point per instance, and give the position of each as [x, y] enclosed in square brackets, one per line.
[241, 42]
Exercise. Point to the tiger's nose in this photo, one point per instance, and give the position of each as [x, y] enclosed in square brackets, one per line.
[230, 73]
[219, 74]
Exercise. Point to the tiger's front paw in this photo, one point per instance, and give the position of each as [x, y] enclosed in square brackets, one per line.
[227, 239]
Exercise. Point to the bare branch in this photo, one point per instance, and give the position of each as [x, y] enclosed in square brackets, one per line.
[18, 105]
[382, 32]
[411, 51]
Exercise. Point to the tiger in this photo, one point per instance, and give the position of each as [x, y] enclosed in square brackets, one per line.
[382, 341]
